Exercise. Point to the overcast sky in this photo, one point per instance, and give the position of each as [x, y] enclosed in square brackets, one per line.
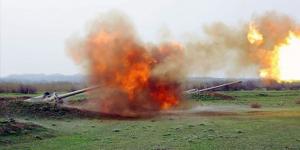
[33, 32]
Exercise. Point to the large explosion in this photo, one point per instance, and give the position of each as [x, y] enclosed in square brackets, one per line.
[138, 78]
[268, 46]
[280, 62]
[135, 78]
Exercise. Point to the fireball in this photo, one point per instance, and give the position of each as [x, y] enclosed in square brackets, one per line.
[289, 58]
[282, 63]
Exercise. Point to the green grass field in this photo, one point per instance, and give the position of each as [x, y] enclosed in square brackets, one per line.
[276, 125]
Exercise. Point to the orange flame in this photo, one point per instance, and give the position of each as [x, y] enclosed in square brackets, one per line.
[254, 36]
[128, 71]
[280, 63]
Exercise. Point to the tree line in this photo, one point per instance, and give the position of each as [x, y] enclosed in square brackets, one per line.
[32, 88]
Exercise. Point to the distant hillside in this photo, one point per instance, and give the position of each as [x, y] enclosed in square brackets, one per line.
[43, 78]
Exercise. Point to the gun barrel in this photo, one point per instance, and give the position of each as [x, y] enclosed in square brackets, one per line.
[211, 88]
[62, 96]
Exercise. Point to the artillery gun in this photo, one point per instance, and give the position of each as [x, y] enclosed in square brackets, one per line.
[57, 98]
[197, 91]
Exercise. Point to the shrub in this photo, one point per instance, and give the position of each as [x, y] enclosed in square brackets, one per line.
[255, 105]
[26, 89]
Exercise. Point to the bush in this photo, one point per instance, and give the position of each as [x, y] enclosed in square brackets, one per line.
[255, 105]
[26, 89]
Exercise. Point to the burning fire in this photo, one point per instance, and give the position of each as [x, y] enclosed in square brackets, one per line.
[289, 58]
[254, 37]
[282, 62]
[135, 78]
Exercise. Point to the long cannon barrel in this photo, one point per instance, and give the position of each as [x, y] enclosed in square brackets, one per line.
[192, 91]
[62, 96]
